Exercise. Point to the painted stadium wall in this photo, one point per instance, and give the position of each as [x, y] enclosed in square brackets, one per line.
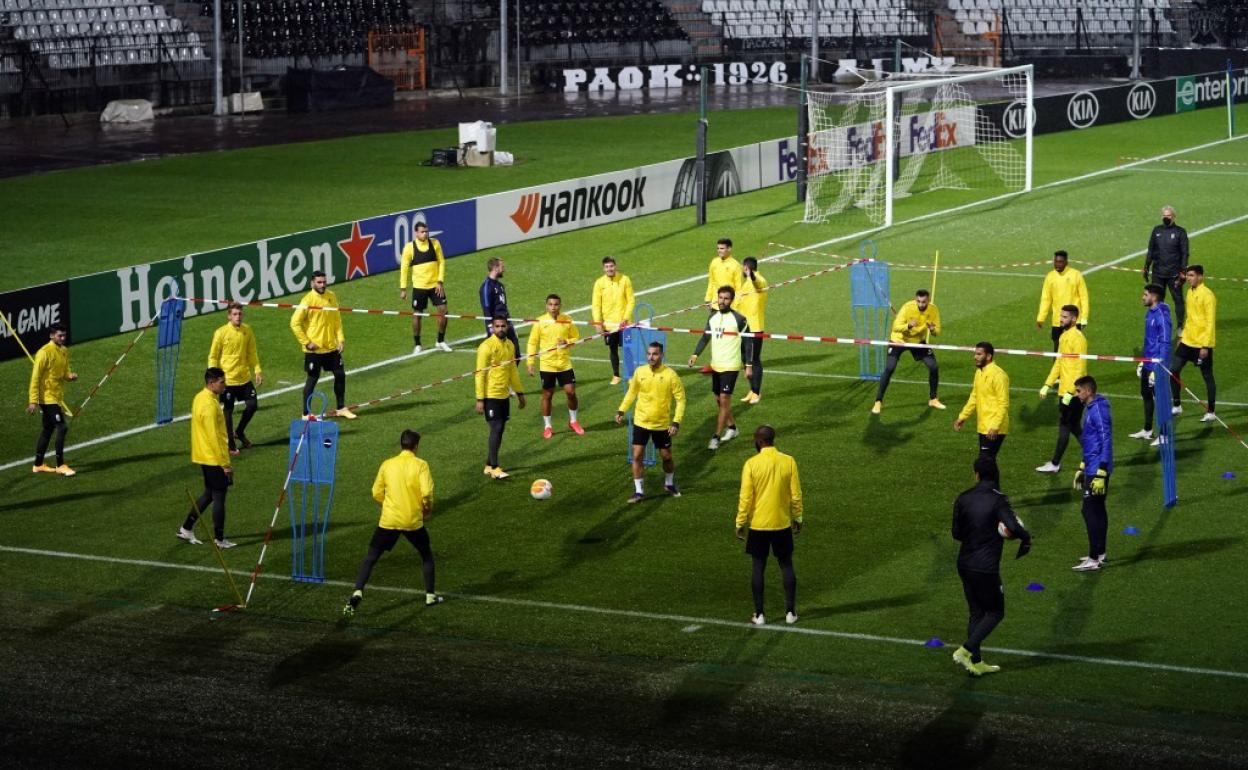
[119, 301]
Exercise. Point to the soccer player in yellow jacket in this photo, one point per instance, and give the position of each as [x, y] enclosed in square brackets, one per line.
[724, 330]
[550, 340]
[404, 487]
[320, 335]
[724, 270]
[1062, 376]
[915, 324]
[1197, 340]
[1063, 286]
[47, 396]
[210, 451]
[496, 379]
[769, 514]
[422, 258]
[752, 303]
[990, 396]
[612, 306]
[233, 350]
[653, 387]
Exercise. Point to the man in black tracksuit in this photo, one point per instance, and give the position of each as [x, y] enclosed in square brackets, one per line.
[1167, 261]
[976, 515]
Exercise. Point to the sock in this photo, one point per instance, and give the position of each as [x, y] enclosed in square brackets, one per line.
[441, 336]
[639, 485]
[669, 479]
[572, 415]
[731, 427]
[546, 420]
[416, 338]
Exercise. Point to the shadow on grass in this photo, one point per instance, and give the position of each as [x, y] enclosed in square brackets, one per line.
[709, 689]
[1122, 649]
[46, 501]
[866, 605]
[1182, 550]
[949, 740]
[335, 649]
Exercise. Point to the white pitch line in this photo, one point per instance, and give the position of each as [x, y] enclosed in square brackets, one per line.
[687, 620]
[1192, 234]
[950, 272]
[1188, 171]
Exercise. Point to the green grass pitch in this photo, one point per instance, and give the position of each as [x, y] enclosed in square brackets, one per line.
[586, 631]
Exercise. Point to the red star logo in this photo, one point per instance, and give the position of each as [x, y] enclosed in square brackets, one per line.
[355, 248]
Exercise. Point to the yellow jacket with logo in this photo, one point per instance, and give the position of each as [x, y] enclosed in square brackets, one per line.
[496, 369]
[234, 351]
[547, 333]
[654, 390]
[722, 272]
[209, 445]
[427, 266]
[612, 301]
[404, 487]
[751, 302]
[47, 379]
[1064, 288]
[910, 312]
[324, 328]
[771, 492]
[990, 395]
[1200, 329]
[1066, 370]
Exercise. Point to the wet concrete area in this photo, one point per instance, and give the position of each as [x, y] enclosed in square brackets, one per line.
[44, 144]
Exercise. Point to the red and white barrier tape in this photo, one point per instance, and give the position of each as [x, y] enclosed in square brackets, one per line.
[277, 509]
[115, 365]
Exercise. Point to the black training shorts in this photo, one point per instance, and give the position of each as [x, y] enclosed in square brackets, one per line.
[895, 351]
[422, 297]
[215, 478]
[661, 438]
[497, 409]
[314, 363]
[723, 382]
[384, 539]
[235, 393]
[52, 416]
[779, 541]
[561, 379]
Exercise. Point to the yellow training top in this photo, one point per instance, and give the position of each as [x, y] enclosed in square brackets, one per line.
[234, 351]
[404, 487]
[427, 265]
[771, 492]
[324, 328]
[208, 442]
[1066, 370]
[496, 369]
[910, 312]
[547, 333]
[653, 390]
[49, 375]
[752, 301]
[1064, 288]
[722, 272]
[1202, 309]
[990, 394]
[612, 301]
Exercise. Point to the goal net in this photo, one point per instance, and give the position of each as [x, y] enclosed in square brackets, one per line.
[909, 134]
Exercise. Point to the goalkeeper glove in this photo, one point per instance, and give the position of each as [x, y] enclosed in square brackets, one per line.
[1023, 549]
[1098, 482]
[1152, 379]
[1078, 478]
[1044, 391]
[1139, 371]
[1066, 398]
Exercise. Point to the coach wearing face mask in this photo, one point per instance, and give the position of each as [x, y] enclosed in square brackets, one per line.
[1167, 260]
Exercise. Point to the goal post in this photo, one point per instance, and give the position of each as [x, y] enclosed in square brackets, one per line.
[909, 134]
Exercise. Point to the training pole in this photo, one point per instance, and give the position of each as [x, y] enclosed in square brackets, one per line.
[116, 364]
[16, 336]
[199, 516]
[277, 509]
[932, 299]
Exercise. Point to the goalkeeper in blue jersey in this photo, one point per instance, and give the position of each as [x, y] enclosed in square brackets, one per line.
[1094, 472]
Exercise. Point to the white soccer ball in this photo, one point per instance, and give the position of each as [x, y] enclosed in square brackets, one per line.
[541, 489]
[1005, 532]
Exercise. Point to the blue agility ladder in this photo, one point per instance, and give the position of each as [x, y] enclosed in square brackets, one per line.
[633, 344]
[869, 299]
[311, 492]
[1165, 434]
[168, 348]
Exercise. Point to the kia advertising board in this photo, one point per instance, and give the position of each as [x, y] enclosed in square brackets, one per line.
[1084, 109]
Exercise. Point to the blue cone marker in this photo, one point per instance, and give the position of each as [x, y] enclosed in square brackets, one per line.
[934, 642]
[1035, 586]
[1228, 475]
[1131, 531]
